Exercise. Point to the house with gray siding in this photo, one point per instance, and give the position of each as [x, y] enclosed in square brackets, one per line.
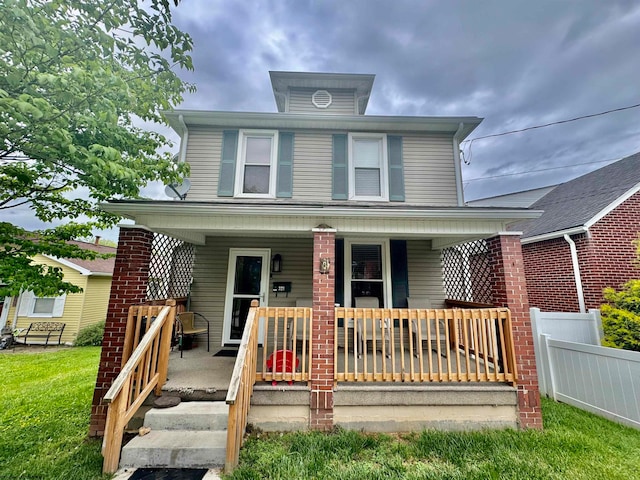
[320, 205]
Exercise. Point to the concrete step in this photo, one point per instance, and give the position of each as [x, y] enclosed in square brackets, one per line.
[194, 416]
[175, 449]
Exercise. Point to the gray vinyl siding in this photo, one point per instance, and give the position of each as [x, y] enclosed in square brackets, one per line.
[343, 102]
[425, 272]
[429, 173]
[428, 166]
[312, 166]
[210, 274]
[203, 154]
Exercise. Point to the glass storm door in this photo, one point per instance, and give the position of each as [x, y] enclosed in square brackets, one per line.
[247, 280]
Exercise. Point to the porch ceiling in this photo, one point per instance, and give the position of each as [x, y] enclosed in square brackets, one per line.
[194, 221]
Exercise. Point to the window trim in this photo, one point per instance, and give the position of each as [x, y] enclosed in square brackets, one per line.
[386, 268]
[384, 166]
[56, 312]
[241, 163]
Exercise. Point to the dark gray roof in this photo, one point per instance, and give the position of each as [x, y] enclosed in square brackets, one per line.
[574, 203]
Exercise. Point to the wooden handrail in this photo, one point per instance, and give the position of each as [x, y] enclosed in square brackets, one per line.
[241, 388]
[144, 371]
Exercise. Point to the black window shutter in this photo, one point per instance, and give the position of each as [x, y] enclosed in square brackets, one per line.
[399, 273]
[340, 168]
[339, 271]
[227, 177]
[284, 184]
[396, 168]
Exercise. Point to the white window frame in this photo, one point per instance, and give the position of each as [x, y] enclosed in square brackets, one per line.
[273, 165]
[28, 305]
[386, 268]
[384, 165]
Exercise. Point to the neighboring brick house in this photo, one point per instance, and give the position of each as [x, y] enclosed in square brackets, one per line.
[583, 242]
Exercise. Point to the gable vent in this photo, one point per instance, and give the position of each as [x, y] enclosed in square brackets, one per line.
[321, 99]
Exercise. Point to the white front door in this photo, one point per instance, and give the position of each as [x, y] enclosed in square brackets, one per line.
[247, 280]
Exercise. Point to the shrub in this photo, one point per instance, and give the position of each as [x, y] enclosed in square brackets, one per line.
[621, 317]
[90, 336]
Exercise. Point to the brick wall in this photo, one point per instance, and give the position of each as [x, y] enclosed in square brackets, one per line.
[510, 290]
[128, 287]
[322, 373]
[606, 256]
[549, 272]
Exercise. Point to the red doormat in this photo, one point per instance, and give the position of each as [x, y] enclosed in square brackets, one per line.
[168, 474]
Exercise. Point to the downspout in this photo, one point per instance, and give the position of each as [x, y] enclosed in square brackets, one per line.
[456, 162]
[576, 272]
[184, 138]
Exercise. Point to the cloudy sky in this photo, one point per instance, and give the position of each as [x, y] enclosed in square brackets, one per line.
[515, 63]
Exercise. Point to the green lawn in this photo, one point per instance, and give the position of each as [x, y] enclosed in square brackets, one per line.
[574, 445]
[45, 402]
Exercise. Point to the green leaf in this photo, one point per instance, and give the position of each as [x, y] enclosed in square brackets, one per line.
[73, 80]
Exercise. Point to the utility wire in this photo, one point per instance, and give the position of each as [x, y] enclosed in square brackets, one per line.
[538, 170]
[558, 122]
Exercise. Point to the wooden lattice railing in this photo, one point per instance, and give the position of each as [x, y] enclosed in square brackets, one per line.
[424, 345]
[145, 364]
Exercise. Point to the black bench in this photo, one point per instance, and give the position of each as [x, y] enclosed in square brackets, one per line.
[42, 330]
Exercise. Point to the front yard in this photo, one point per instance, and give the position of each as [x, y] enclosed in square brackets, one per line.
[44, 415]
[45, 402]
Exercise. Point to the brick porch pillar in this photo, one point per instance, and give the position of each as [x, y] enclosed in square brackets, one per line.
[321, 402]
[128, 287]
[510, 290]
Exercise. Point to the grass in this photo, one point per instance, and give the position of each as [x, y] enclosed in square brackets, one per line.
[45, 403]
[574, 445]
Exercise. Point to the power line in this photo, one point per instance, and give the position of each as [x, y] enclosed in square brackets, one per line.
[558, 122]
[538, 170]
[554, 123]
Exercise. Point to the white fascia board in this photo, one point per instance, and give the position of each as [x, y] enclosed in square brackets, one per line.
[184, 208]
[612, 206]
[556, 234]
[67, 263]
[279, 121]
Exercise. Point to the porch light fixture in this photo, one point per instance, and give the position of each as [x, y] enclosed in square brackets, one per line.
[276, 263]
[325, 265]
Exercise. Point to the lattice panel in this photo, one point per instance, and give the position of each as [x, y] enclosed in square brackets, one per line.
[171, 268]
[466, 271]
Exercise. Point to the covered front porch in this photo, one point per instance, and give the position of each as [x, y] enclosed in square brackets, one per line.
[371, 311]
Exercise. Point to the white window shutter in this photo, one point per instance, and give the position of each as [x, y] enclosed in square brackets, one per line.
[58, 306]
[27, 299]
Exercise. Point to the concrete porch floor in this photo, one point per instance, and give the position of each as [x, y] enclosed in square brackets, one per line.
[199, 375]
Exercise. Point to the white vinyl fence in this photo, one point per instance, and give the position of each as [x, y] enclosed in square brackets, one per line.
[575, 369]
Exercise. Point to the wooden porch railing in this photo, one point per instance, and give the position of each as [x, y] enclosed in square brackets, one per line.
[388, 345]
[286, 344]
[241, 387]
[145, 364]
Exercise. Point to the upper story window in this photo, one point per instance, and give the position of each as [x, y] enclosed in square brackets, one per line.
[368, 167]
[256, 172]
